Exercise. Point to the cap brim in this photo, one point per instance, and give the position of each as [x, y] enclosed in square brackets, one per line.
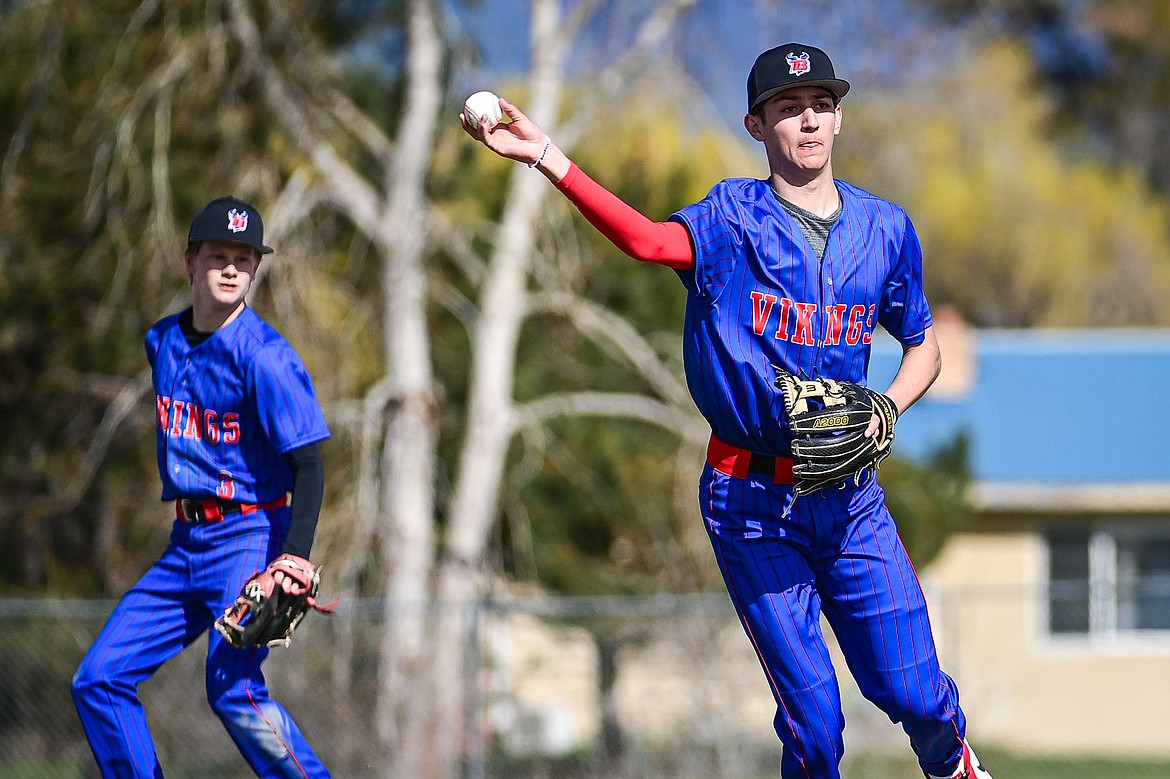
[261, 248]
[837, 86]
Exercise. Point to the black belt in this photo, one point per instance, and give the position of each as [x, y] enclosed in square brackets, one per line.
[738, 462]
[762, 464]
[210, 510]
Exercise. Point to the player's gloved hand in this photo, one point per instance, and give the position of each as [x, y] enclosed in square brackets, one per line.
[833, 434]
[273, 602]
[293, 574]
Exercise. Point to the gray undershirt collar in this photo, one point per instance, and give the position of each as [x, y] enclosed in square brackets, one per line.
[815, 228]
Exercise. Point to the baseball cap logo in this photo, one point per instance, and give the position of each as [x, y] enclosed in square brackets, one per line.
[798, 65]
[237, 221]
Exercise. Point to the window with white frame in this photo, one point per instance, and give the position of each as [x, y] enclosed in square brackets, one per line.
[1108, 580]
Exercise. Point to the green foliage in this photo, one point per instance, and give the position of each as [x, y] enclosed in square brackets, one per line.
[110, 147]
[66, 324]
[657, 161]
[602, 513]
[1016, 233]
[1104, 63]
[604, 507]
[929, 500]
[1119, 116]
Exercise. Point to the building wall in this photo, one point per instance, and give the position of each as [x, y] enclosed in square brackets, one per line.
[692, 677]
[1025, 690]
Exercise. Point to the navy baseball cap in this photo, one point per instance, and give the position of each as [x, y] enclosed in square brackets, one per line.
[229, 220]
[791, 65]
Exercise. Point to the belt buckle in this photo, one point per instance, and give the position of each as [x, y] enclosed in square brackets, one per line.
[192, 510]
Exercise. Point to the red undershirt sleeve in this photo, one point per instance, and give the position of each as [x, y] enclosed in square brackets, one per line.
[664, 243]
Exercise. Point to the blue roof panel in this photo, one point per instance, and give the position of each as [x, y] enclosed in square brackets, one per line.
[1076, 407]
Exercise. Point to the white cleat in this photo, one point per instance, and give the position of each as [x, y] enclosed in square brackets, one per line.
[969, 767]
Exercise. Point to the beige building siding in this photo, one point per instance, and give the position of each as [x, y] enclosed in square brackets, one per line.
[1029, 691]
[694, 678]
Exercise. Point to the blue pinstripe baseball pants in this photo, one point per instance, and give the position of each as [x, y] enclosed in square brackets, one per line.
[836, 552]
[175, 602]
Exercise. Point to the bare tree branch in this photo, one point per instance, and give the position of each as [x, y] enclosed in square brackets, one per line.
[46, 68]
[123, 405]
[352, 194]
[616, 78]
[688, 425]
[617, 335]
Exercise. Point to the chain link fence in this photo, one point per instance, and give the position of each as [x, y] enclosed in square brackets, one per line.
[688, 697]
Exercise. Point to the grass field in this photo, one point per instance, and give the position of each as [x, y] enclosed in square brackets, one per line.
[1004, 766]
[1008, 766]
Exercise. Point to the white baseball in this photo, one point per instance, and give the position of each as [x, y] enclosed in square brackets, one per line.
[483, 104]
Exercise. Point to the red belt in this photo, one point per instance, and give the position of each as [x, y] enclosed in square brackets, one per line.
[737, 462]
[211, 510]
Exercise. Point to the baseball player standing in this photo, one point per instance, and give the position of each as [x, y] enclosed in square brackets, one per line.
[237, 431]
[793, 272]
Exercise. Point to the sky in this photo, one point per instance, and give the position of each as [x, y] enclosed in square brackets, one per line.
[872, 42]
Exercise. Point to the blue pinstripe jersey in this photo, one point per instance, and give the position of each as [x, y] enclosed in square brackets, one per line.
[758, 297]
[229, 409]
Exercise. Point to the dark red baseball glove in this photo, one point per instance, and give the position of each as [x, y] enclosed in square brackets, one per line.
[273, 602]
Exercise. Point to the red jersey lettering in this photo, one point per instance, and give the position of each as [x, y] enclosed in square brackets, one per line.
[231, 428]
[836, 318]
[164, 411]
[782, 325]
[804, 326]
[210, 424]
[176, 418]
[856, 325]
[761, 308]
[194, 427]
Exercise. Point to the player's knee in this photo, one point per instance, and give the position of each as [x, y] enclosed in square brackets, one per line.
[253, 719]
[903, 702]
[82, 684]
[222, 700]
[231, 710]
[233, 701]
[88, 682]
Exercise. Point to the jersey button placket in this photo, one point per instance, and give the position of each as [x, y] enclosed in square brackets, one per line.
[829, 301]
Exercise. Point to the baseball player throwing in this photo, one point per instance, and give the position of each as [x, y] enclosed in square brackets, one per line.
[786, 278]
[238, 425]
